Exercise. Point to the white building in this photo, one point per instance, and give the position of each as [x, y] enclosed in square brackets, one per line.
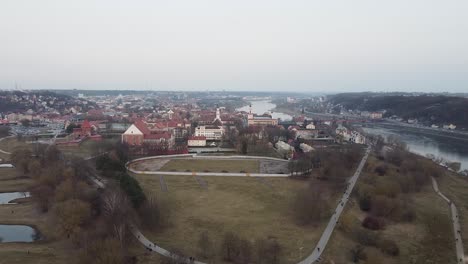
[283, 147]
[210, 132]
[451, 126]
[306, 148]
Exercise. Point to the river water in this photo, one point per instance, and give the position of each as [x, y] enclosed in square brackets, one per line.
[450, 149]
[264, 106]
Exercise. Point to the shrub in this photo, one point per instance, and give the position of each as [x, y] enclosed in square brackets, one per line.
[381, 170]
[366, 237]
[230, 246]
[365, 203]
[358, 253]
[132, 188]
[373, 223]
[389, 247]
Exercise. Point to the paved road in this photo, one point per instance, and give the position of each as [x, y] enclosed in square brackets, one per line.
[314, 257]
[151, 246]
[163, 184]
[456, 224]
[201, 182]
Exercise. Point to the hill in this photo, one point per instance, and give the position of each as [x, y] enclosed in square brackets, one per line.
[427, 109]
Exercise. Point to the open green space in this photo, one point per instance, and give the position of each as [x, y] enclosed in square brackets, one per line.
[86, 148]
[243, 205]
[9, 144]
[455, 188]
[426, 238]
[213, 165]
[45, 251]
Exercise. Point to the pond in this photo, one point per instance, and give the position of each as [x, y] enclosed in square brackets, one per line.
[6, 198]
[18, 233]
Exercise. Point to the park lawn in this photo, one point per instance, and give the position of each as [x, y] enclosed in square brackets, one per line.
[19, 185]
[207, 165]
[42, 251]
[9, 174]
[243, 205]
[86, 149]
[409, 236]
[33, 253]
[12, 180]
[9, 144]
[455, 188]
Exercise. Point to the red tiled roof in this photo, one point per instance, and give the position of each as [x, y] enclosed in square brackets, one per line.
[142, 127]
[85, 124]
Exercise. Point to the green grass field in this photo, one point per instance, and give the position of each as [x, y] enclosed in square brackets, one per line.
[242, 205]
[203, 165]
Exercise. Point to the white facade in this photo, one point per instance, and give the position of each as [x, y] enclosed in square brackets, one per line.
[196, 142]
[283, 146]
[210, 132]
[306, 148]
[133, 130]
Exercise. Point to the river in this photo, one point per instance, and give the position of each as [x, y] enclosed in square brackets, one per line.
[450, 149]
[263, 106]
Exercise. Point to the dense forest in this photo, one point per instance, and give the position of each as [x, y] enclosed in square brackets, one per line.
[427, 109]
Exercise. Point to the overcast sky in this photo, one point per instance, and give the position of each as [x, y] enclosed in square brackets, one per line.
[290, 45]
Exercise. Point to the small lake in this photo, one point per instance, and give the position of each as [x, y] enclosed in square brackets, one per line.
[6, 198]
[18, 233]
[261, 107]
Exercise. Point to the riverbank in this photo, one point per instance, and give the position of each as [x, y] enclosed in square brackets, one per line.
[425, 144]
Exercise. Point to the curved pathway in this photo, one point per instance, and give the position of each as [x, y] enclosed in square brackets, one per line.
[194, 156]
[314, 257]
[456, 224]
[1, 150]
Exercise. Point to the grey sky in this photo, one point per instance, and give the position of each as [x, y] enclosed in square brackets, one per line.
[407, 45]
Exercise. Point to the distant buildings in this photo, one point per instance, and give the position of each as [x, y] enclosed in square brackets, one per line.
[139, 134]
[260, 120]
[210, 132]
[350, 135]
[195, 141]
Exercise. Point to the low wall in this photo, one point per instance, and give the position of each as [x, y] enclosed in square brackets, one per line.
[194, 156]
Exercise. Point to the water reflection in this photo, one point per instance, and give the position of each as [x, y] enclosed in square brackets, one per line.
[449, 149]
[6, 198]
[261, 107]
[18, 233]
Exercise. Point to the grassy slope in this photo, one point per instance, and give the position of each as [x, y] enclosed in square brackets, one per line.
[211, 165]
[456, 189]
[409, 236]
[242, 205]
[46, 251]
